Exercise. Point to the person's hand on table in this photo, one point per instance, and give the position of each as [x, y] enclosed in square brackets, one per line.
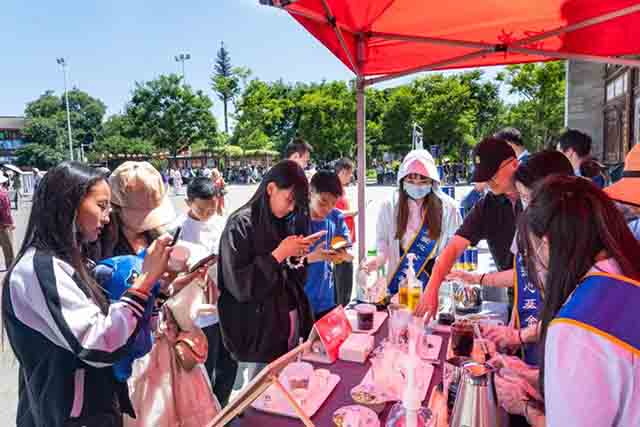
[466, 277]
[428, 303]
[505, 337]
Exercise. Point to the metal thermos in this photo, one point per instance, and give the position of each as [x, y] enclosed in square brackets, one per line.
[476, 404]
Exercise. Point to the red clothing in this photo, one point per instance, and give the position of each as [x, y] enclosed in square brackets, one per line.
[5, 208]
[343, 205]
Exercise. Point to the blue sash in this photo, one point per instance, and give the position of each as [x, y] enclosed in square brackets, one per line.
[606, 305]
[424, 250]
[528, 306]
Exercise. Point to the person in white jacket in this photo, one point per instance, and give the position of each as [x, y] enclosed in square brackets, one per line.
[419, 219]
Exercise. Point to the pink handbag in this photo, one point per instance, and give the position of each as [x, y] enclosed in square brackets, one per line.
[163, 392]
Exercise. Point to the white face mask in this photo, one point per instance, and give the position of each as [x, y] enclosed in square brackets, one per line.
[416, 191]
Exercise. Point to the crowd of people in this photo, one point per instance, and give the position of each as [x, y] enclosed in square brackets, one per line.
[135, 337]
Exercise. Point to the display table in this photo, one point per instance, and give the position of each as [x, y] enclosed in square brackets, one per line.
[351, 374]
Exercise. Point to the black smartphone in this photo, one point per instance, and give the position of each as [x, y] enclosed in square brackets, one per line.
[211, 259]
[176, 234]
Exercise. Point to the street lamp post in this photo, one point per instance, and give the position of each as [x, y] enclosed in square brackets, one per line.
[63, 64]
[182, 58]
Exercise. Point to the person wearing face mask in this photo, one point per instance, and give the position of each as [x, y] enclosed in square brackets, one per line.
[492, 218]
[590, 341]
[523, 332]
[420, 219]
[262, 306]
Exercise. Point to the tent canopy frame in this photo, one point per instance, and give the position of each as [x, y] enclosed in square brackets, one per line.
[516, 46]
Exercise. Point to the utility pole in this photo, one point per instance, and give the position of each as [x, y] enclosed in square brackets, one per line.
[182, 58]
[63, 64]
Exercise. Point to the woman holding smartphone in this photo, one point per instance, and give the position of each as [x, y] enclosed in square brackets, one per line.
[61, 327]
[261, 272]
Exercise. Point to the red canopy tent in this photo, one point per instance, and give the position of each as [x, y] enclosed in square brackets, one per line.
[383, 39]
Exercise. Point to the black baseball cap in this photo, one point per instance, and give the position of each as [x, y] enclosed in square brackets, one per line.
[487, 157]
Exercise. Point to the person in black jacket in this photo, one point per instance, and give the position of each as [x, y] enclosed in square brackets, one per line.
[261, 272]
[60, 325]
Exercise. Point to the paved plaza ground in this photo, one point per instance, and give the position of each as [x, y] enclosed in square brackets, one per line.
[238, 194]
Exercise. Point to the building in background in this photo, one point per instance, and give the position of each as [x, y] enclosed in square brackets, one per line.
[604, 101]
[11, 137]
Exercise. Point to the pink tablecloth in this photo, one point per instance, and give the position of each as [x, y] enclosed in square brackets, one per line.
[351, 374]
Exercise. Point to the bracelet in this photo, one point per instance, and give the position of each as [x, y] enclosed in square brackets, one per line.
[482, 278]
[294, 265]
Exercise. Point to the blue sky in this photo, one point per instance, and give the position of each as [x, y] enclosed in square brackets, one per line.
[111, 44]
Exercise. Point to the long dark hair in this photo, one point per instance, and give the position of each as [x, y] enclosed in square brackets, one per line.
[286, 175]
[580, 223]
[51, 225]
[432, 206]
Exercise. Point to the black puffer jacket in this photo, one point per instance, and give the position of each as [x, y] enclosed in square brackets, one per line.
[257, 292]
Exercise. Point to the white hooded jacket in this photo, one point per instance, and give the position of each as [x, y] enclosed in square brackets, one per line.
[388, 246]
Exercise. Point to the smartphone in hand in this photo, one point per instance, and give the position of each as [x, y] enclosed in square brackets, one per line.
[315, 236]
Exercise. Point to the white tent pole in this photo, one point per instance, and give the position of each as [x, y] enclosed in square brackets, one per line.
[361, 124]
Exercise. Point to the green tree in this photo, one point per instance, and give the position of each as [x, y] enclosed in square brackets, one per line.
[397, 119]
[485, 99]
[47, 119]
[327, 120]
[44, 131]
[41, 156]
[118, 144]
[443, 106]
[540, 112]
[171, 115]
[273, 109]
[226, 81]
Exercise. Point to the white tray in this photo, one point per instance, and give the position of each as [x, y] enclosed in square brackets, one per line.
[378, 319]
[425, 369]
[278, 404]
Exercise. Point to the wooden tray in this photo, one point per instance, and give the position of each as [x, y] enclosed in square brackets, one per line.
[272, 401]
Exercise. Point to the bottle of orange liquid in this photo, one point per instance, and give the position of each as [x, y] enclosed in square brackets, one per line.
[414, 287]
